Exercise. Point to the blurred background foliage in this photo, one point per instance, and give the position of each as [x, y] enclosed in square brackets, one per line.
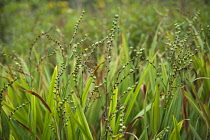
[22, 20]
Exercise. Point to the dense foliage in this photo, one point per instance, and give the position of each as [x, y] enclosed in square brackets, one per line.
[120, 70]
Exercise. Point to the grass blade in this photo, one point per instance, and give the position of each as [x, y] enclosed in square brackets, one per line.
[175, 135]
[40, 98]
[112, 109]
[85, 93]
[155, 112]
[47, 119]
[80, 119]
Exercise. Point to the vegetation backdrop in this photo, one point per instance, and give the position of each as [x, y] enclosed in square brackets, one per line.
[104, 69]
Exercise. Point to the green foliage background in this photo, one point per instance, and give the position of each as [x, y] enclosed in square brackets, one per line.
[120, 70]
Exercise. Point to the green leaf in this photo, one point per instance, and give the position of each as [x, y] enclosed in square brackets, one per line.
[80, 119]
[194, 132]
[71, 126]
[193, 104]
[125, 45]
[33, 116]
[117, 137]
[145, 120]
[154, 42]
[40, 98]
[132, 99]
[85, 93]
[46, 130]
[155, 117]
[141, 113]
[112, 109]
[175, 135]
[5, 126]
[18, 116]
